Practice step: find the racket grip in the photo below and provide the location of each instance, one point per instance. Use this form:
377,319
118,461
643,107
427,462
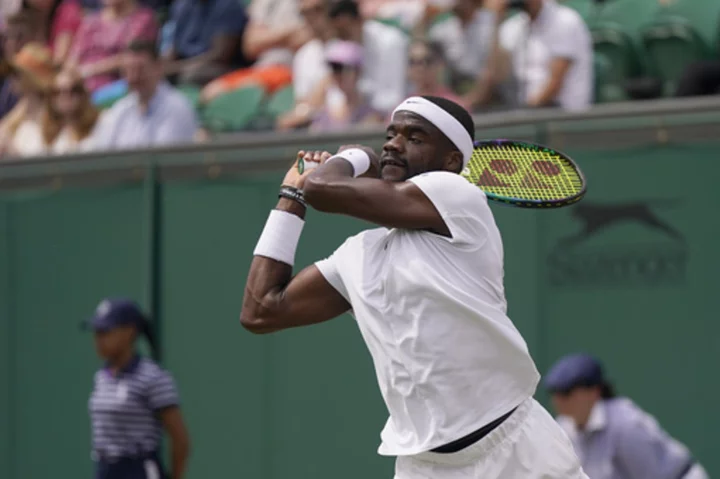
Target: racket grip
304,166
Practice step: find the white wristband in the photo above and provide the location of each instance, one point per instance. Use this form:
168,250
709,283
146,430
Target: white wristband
357,158
280,237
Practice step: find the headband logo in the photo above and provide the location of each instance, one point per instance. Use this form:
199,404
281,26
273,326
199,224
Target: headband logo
103,308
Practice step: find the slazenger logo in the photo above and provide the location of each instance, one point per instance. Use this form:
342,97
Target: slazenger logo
655,256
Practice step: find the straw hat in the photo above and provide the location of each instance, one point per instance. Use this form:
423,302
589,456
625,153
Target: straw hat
34,61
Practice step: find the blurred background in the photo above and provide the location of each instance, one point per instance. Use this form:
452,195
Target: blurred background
142,143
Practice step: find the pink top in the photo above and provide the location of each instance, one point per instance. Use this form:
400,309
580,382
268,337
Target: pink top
68,18
99,38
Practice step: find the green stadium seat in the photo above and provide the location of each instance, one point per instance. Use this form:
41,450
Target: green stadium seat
192,93
607,88
281,102
616,35
682,32
233,111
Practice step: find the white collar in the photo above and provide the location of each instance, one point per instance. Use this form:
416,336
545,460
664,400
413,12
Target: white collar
597,421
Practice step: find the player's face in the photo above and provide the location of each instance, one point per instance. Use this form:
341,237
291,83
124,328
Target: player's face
412,147
110,344
576,403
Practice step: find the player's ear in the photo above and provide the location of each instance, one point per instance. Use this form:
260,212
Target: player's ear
454,161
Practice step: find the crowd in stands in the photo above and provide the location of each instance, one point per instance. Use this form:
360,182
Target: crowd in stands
90,75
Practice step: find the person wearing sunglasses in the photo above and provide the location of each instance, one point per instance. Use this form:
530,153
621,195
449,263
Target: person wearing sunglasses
71,116
346,105
133,400
613,436
426,71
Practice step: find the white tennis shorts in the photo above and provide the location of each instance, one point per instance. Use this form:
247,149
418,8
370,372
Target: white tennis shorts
528,445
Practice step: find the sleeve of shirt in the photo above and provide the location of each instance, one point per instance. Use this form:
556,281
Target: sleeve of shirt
460,204
567,39
69,17
178,126
642,451
330,269
82,38
233,20
162,391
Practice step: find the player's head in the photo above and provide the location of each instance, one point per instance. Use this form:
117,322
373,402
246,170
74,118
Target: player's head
117,323
576,382
427,134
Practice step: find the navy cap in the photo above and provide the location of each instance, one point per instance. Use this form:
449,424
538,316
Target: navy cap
574,370
112,313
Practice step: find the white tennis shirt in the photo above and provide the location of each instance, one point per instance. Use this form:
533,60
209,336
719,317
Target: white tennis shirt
432,311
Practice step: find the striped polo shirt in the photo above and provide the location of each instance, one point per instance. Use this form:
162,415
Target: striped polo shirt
123,406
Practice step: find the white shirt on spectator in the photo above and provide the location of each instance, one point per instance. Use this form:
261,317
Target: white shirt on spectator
169,119
309,68
466,49
275,14
384,65
432,312
557,32
65,143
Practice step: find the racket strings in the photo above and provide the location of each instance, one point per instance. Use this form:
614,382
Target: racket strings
521,172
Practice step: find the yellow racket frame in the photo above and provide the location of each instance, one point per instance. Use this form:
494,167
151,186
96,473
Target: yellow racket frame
525,174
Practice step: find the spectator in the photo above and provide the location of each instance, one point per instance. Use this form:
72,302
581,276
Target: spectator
20,29
157,5
385,47
33,75
61,20
426,71
613,437
71,116
466,37
551,53
310,73
346,61
104,35
153,114
275,31
206,39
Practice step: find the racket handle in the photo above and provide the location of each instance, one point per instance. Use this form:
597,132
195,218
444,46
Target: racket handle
304,166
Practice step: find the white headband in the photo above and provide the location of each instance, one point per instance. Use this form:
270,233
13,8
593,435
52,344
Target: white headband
444,122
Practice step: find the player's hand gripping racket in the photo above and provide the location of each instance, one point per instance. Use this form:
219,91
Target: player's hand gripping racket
521,174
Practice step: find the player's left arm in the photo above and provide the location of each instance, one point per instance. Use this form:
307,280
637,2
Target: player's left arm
332,188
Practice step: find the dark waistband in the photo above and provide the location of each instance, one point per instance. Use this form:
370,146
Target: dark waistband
690,464
102,456
473,437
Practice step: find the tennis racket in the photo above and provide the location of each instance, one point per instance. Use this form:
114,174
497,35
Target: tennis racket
520,173
524,174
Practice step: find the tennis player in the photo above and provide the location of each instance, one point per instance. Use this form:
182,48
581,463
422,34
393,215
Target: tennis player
426,290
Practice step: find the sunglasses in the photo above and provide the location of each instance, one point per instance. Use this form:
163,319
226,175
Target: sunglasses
422,61
74,90
338,68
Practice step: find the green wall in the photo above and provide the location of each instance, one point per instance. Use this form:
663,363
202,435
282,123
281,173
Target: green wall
304,403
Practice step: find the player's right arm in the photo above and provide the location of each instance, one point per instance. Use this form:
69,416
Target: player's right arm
274,298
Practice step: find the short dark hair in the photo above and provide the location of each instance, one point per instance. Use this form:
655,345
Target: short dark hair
457,111
435,48
27,17
144,46
344,7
